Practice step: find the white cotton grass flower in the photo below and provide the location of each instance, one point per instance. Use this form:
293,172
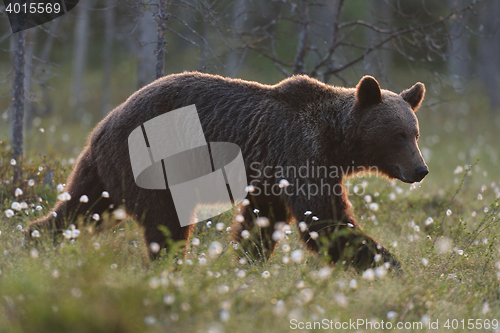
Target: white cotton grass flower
250,188
196,242
416,228
314,235
239,218
297,256
209,224
24,205
377,257
245,202
34,253
350,225
444,245
280,308
84,199
219,226
429,221
256,211
324,273
458,169
368,198
266,274
307,213
154,247
285,260
60,188
425,261
283,183
19,227
262,222
168,299
303,226
353,284
374,206
448,212
479,196
9,213
306,295
16,206
369,274
315,218
460,252
392,196
391,315
18,192
300,284
119,214
215,249
245,234
380,272
241,273
96,217
31,182
65,196
13,162
38,207
35,234
224,316
277,235
285,248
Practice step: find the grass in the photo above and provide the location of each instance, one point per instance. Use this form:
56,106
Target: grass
104,282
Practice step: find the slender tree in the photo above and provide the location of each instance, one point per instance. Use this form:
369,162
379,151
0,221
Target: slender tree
162,18
109,31
17,105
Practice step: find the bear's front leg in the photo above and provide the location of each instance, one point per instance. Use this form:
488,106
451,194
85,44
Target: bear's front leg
337,230
257,242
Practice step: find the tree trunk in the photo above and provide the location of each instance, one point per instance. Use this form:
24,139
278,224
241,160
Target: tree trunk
80,54
239,17
109,32
17,104
47,105
146,50
160,46
28,73
489,48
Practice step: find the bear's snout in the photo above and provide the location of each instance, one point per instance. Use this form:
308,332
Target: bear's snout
420,172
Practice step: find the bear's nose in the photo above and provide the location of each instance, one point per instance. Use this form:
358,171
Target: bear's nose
421,171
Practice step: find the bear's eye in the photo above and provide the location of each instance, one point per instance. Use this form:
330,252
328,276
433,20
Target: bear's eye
417,136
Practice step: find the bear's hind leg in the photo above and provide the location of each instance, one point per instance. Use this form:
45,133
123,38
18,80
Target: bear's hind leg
86,189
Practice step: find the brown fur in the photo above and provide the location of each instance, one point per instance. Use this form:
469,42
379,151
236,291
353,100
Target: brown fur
298,120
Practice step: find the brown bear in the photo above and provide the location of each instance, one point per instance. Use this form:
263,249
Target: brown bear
295,123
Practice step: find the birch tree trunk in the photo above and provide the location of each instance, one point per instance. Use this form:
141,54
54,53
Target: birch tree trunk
28,73
161,43
80,54
146,49
109,32
17,104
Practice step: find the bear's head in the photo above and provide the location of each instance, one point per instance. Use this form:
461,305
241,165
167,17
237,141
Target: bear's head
387,130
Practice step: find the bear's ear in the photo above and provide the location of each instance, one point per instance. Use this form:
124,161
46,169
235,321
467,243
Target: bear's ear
368,92
414,96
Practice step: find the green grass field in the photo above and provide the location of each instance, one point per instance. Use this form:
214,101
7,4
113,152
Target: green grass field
105,282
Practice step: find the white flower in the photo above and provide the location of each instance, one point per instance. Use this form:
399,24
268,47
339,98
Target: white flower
84,199
250,188
31,182
96,217
262,222
297,256
13,162
429,221
256,211
324,273
313,234
391,315
302,226
35,234
16,206
308,212
220,226
65,196
245,202
169,299
284,183
306,295
245,234
377,257
266,274
448,212
368,198
154,247
60,188
196,241
18,192
215,249
460,252
277,234
315,218
239,218
224,316
374,206
369,274
9,213
241,273
425,261
119,214
353,284
105,194
392,196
